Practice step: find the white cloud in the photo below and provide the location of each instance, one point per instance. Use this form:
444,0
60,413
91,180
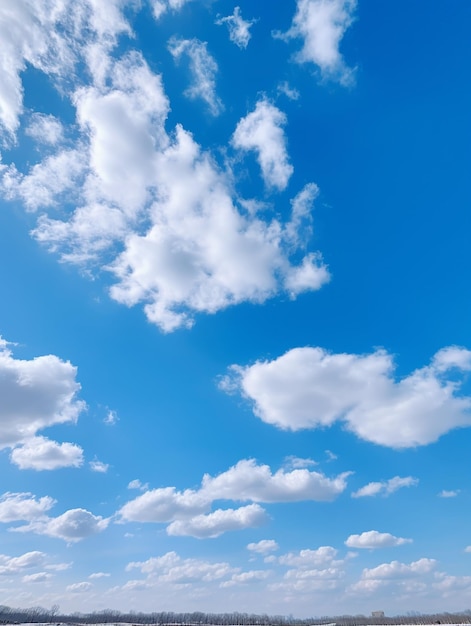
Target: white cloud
249,481
39,577
290,92
312,388
321,24
239,29
219,522
49,37
79,587
40,453
397,570
111,418
15,564
262,131
45,129
310,559
97,575
98,466
245,578
47,183
128,185
171,568
73,525
164,505
189,510
452,493
385,487
203,69
202,254
36,394
23,507
136,484
263,547
159,7
373,539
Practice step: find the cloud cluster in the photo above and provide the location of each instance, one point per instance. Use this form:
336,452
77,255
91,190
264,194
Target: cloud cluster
312,388
72,526
146,204
188,512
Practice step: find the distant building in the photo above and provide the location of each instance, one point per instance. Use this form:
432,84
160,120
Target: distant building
377,613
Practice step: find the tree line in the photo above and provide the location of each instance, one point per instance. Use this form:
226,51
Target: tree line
10,615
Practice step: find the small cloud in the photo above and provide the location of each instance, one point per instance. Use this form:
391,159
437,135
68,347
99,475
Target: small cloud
40,453
331,456
264,546
385,487
448,494
136,484
98,466
111,418
239,29
373,539
99,575
289,92
79,587
294,462
467,549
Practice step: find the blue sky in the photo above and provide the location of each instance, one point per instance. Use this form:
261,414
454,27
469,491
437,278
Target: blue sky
235,340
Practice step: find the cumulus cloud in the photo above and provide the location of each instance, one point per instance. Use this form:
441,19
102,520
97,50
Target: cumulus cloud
39,453
321,24
263,547
203,68
171,568
249,481
312,388
156,211
189,511
23,507
245,578
36,394
164,505
395,569
219,522
39,577
72,526
373,539
239,29
262,131
15,564
385,487
309,559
